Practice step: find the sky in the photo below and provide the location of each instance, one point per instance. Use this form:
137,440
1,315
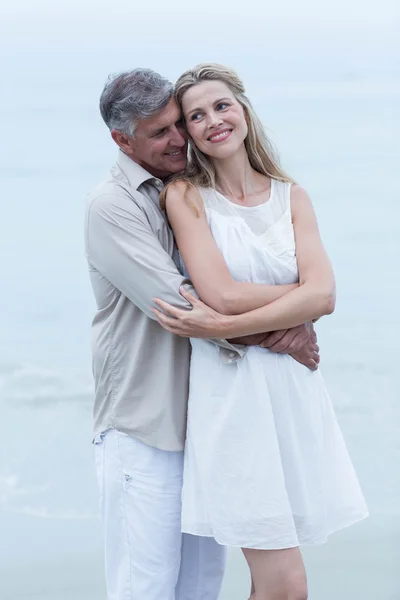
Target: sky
364,12
372,16
251,35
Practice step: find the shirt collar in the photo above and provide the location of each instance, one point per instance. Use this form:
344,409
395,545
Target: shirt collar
136,174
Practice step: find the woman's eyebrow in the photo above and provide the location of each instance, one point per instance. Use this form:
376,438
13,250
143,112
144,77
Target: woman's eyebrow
194,110
221,100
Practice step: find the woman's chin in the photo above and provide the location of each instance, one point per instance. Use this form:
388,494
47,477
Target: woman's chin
223,151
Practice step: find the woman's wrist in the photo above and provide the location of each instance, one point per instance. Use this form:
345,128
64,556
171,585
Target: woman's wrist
234,326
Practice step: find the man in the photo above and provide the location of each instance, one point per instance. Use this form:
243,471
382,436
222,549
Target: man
141,371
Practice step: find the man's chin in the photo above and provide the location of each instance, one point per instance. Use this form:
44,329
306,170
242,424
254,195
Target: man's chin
176,166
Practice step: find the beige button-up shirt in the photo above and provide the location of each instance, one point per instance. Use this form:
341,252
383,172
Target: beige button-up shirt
141,371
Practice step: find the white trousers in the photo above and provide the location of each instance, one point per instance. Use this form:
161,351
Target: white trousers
146,555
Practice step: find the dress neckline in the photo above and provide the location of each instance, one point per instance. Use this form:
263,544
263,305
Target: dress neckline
247,208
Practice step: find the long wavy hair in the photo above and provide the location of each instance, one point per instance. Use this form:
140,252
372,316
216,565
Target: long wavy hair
200,170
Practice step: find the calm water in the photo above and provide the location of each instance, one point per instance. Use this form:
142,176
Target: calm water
337,132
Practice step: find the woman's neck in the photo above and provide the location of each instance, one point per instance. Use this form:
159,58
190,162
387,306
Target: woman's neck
236,178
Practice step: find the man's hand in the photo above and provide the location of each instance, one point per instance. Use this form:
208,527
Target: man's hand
300,342
308,355
200,322
286,341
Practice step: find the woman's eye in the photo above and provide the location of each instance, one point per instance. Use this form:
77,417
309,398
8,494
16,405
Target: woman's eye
222,106
195,117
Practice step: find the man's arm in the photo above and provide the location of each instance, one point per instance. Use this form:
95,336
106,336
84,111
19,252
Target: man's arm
121,245
300,342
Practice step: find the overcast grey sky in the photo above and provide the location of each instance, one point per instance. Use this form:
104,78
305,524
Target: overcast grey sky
252,35
370,14
340,12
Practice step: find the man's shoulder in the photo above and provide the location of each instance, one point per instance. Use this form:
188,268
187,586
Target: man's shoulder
114,191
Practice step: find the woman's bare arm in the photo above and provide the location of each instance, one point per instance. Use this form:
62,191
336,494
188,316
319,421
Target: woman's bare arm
205,264
314,297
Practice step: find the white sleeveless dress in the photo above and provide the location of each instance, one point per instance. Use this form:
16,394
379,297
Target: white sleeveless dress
265,463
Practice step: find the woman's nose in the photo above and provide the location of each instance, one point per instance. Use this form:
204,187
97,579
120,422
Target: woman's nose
214,120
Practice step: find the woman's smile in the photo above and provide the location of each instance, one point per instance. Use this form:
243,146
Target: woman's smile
220,136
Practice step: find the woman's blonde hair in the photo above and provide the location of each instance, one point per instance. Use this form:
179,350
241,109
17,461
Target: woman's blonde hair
200,171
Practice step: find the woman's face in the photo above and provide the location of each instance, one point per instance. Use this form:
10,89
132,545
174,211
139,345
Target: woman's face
214,119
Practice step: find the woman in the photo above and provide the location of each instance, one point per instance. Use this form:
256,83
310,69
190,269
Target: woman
266,467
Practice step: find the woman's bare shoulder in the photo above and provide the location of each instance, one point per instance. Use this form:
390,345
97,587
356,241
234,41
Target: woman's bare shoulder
180,194
298,193
300,201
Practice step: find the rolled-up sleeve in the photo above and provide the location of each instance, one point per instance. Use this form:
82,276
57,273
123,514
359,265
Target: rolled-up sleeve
123,248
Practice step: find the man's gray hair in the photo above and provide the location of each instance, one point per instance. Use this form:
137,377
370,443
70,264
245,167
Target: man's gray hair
131,96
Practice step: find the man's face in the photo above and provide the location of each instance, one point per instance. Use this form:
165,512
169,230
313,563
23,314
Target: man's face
160,143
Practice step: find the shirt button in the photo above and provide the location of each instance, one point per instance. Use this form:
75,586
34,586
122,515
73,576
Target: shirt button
231,354
230,360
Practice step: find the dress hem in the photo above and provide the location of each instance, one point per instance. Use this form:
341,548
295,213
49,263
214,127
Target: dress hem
339,526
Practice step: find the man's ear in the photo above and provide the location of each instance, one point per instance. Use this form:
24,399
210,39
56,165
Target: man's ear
123,141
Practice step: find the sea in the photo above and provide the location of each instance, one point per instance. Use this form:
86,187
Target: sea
334,116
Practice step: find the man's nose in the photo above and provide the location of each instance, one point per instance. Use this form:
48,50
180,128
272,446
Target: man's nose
178,137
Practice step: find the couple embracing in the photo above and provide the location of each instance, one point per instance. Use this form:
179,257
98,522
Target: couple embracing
213,427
